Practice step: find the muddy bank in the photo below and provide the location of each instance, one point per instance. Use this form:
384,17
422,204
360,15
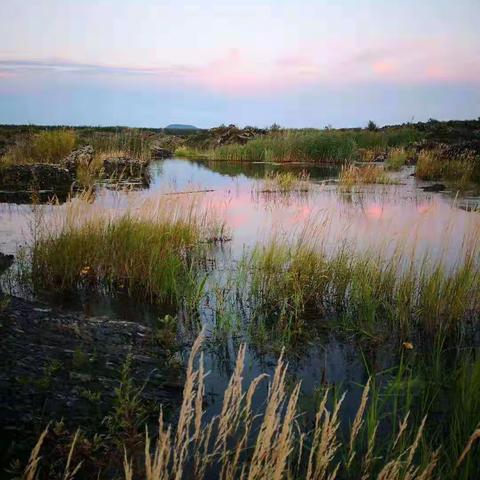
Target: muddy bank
58,365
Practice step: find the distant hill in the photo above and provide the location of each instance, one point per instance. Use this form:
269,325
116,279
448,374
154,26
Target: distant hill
180,126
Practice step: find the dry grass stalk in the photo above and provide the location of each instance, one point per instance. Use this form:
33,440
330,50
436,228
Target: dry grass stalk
221,444
357,423
473,438
30,471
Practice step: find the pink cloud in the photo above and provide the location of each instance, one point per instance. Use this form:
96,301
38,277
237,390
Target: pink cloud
384,68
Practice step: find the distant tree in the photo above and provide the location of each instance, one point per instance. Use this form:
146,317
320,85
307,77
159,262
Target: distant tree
275,127
372,126
328,127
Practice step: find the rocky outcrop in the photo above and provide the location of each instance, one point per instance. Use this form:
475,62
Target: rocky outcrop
82,156
159,152
233,134
37,176
467,149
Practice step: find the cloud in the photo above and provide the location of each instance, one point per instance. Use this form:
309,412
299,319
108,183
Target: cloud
243,73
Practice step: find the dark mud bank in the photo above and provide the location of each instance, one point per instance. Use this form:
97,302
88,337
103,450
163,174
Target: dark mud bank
61,365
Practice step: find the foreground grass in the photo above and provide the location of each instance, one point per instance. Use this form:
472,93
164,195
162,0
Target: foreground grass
149,250
276,442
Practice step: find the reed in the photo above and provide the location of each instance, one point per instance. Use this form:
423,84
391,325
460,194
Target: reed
320,146
130,142
397,158
284,182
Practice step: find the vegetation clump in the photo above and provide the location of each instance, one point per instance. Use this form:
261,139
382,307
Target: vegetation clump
278,442
148,251
291,281
461,171
43,147
284,182
352,175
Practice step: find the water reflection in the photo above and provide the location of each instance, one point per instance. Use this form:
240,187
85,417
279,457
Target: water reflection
368,217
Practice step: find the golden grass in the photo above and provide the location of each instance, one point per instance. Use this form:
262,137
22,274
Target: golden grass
284,182
239,443
397,158
44,147
432,166
352,175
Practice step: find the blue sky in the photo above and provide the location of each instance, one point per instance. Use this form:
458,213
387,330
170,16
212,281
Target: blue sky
294,62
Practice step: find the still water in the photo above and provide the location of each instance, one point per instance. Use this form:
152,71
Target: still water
373,216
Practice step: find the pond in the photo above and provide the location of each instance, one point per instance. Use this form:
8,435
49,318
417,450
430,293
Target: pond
368,216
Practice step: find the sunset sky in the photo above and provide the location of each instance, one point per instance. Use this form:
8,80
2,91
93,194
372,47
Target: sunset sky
295,62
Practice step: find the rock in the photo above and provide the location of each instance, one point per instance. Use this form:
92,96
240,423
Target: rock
159,152
51,360
37,176
130,172
465,149
124,166
233,134
380,157
82,156
436,187
5,262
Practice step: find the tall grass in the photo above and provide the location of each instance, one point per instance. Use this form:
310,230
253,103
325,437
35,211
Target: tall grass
149,250
247,442
461,171
291,281
326,146
130,142
50,146
397,158
352,175
284,182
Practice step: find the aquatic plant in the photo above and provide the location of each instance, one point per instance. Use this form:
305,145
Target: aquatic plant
190,152
352,175
150,250
130,142
291,281
327,146
396,159
284,182
243,441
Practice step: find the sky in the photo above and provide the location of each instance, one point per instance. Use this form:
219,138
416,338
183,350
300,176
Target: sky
299,63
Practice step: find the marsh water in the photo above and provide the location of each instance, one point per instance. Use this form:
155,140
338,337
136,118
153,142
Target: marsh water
372,216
